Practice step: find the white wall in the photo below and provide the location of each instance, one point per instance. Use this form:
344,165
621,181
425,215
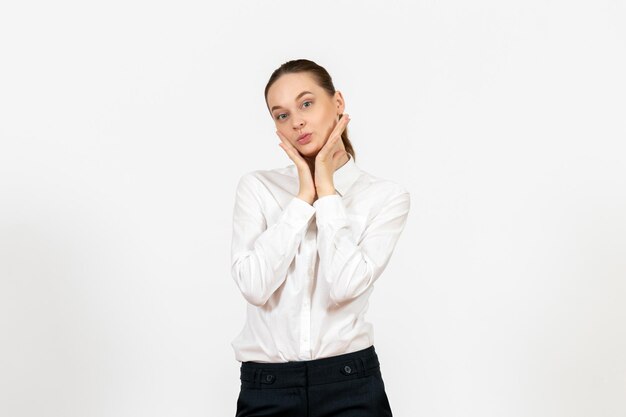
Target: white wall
125,125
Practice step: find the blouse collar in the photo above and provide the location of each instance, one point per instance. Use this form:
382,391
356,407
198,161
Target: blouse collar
345,176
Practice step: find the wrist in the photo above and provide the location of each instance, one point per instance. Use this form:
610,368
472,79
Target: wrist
321,192
305,198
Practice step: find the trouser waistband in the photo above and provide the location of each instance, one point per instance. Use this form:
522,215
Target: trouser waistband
311,372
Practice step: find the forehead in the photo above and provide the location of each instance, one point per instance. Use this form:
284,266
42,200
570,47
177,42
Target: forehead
285,90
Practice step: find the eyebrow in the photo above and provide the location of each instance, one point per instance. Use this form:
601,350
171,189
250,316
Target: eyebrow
297,97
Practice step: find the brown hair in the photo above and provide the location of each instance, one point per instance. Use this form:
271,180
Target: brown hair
323,79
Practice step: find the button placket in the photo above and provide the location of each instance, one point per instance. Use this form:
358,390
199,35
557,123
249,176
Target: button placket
305,313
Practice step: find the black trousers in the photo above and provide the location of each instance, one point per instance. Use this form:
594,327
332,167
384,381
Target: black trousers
348,385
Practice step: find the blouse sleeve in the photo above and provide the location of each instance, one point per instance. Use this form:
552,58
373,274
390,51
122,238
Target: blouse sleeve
261,254
352,267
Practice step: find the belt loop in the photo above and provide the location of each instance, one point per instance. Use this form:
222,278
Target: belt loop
256,377
362,364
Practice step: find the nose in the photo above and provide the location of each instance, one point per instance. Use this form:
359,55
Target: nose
298,124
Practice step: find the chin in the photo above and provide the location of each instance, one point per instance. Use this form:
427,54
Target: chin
310,152
308,149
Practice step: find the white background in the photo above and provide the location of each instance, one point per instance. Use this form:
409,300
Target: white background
125,126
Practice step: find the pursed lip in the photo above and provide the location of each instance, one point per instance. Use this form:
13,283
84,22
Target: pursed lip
303,135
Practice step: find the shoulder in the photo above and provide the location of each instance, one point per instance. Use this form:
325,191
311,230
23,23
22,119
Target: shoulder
259,177
384,188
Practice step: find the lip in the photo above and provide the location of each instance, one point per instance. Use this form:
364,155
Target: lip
304,138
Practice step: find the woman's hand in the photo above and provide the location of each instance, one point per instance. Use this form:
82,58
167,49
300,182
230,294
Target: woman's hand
329,158
307,191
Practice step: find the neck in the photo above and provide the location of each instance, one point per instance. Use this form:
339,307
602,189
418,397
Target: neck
311,162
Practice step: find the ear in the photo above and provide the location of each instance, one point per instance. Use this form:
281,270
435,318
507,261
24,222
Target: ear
339,102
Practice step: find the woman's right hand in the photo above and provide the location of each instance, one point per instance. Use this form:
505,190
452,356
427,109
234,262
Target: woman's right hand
307,191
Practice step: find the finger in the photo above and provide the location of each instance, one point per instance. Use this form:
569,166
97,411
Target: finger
285,146
282,137
331,146
338,130
287,151
339,154
292,152
340,126
285,141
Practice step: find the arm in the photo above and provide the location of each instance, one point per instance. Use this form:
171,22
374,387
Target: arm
261,255
352,267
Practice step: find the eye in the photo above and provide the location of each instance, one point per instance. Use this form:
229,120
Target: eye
303,105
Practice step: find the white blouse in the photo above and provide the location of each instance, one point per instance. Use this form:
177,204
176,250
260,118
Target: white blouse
307,271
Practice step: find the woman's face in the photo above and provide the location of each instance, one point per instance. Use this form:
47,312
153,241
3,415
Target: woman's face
298,105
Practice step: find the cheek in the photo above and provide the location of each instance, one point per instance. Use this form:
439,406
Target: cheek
288,134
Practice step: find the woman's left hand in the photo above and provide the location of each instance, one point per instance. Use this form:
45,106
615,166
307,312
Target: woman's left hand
329,158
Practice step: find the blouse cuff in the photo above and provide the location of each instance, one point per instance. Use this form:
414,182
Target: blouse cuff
297,213
329,208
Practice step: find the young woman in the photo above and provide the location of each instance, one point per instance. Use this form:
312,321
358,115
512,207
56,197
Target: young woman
309,241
